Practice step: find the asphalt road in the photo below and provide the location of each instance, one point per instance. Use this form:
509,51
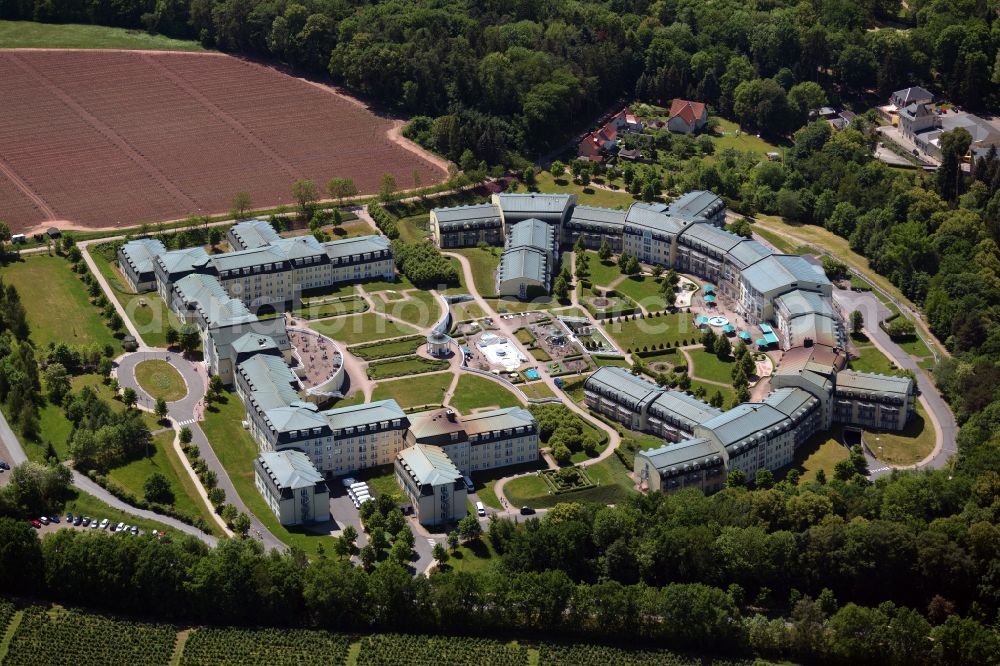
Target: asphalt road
874,312
186,412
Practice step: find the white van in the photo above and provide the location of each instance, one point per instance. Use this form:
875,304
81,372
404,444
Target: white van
480,509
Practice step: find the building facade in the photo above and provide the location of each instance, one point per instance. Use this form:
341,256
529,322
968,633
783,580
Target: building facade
294,491
432,483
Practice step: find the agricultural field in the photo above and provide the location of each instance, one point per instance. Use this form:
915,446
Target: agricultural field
275,647
160,380
367,327
49,637
56,301
391,649
184,129
414,391
474,392
575,654
29,35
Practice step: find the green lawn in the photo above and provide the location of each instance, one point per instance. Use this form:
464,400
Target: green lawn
574,388
870,359
484,265
745,142
160,380
506,305
728,394
909,446
28,34
822,451
330,292
644,290
915,347
485,481
668,329
414,391
165,460
602,274
710,367
366,327
319,309
56,303
612,361
613,486
537,390
413,228
404,365
473,556
147,311
466,311
420,308
474,392
402,347
588,196
237,450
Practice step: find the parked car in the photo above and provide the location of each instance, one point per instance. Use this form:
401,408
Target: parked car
135,530
527,511
78,521
86,521
54,519
120,527
36,524
69,519
44,520
104,524
4,465
94,524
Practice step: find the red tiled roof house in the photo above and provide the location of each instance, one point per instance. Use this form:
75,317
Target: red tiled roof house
687,117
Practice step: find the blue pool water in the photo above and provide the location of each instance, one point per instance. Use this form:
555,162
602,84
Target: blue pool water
531,374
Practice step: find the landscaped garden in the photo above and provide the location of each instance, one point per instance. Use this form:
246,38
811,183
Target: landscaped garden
710,367
611,486
331,307
420,390
475,392
420,308
404,365
379,350
638,334
160,380
367,327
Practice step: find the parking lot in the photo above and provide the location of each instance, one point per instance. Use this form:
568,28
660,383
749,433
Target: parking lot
103,525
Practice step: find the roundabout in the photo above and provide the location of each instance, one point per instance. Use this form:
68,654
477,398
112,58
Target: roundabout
160,379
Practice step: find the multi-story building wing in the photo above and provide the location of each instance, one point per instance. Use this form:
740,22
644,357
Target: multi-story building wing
365,435
466,226
702,249
174,265
806,318
480,441
137,260
621,396
873,401
699,204
432,483
650,234
673,415
595,226
693,463
550,208
292,488
778,274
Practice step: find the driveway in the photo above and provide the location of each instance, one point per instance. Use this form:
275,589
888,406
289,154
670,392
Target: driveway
186,412
940,413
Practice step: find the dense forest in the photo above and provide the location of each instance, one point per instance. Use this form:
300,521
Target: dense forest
500,77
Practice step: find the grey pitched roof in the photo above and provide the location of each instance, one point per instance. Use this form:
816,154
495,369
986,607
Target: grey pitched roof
301,417
682,457
180,261
654,217
798,303
697,204
215,305
357,245
271,382
284,249
458,216
743,421
782,271
290,469
709,237
253,343
790,401
254,233
428,465
916,111
979,129
224,335
611,218
365,414
523,263
623,387
543,204
908,95
872,383
747,253
531,233
821,329
683,407
141,253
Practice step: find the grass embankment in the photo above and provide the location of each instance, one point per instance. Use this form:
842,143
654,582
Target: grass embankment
474,392
822,451
590,195
160,380
28,34
911,445
237,450
484,265
165,460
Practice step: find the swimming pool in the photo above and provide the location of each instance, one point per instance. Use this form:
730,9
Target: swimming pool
531,374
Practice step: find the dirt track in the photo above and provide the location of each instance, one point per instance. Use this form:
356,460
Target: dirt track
110,139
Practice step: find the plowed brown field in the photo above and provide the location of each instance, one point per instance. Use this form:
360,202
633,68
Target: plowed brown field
104,139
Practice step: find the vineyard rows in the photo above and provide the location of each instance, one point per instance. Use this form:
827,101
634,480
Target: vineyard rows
6,613
550,654
68,637
264,647
397,649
